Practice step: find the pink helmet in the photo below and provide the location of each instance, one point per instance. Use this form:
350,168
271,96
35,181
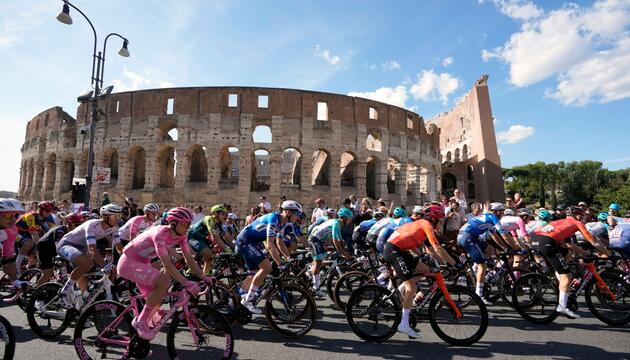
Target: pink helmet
434,212
74,219
45,206
179,215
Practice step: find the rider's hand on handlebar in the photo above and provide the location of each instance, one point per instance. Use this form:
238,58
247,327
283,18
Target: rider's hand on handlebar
210,280
193,288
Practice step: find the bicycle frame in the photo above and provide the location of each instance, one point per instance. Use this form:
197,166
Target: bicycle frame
592,273
440,284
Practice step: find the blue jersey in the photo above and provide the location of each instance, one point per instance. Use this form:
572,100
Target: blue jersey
482,224
619,237
259,230
365,225
388,230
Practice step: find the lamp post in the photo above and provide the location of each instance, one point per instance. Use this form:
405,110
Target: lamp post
98,70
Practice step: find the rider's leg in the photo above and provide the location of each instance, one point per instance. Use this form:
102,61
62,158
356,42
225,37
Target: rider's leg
316,268
264,269
26,247
154,297
208,259
83,263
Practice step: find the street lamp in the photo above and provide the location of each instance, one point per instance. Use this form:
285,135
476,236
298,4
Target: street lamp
98,71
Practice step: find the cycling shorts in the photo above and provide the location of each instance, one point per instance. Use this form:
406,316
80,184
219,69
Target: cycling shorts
46,253
70,252
198,246
403,262
317,248
474,246
548,247
253,254
141,272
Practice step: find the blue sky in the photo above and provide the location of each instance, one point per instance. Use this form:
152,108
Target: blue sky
559,72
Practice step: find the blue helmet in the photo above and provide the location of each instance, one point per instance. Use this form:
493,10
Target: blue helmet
544,215
615,207
344,212
602,216
399,212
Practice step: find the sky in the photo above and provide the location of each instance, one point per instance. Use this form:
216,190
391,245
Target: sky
559,71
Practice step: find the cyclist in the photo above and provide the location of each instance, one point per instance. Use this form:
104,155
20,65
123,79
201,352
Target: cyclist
208,236
544,216
619,238
599,230
249,245
329,229
31,226
10,211
135,265
47,245
360,231
326,215
551,241
78,247
478,249
231,225
137,224
409,238
292,234
613,215
400,218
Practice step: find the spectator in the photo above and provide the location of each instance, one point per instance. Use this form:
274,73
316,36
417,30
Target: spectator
364,213
265,205
319,211
197,214
282,199
444,202
519,202
461,200
33,207
475,210
252,215
355,205
106,200
583,205
65,206
347,203
454,221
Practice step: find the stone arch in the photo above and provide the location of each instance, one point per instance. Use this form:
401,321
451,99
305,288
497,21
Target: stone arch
39,174
51,172
470,173
167,129
465,152
321,168
448,156
291,167
229,165
449,184
393,173
110,160
373,142
197,164
30,173
411,182
261,170
349,169
371,177
456,155
138,164
67,172
262,134
166,167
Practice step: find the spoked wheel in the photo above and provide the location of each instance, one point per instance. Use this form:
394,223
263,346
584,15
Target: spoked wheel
346,284
601,303
212,339
221,298
332,278
7,290
290,310
505,284
98,335
465,330
32,276
7,337
45,312
535,297
373,313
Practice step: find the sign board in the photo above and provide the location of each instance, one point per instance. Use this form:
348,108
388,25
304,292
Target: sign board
102,174
76,207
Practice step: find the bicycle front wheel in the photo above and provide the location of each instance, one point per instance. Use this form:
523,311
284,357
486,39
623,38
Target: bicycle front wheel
8,338
346,284
612,312
535,297
45,312
101,334
212,337
290,310
373,313
466,330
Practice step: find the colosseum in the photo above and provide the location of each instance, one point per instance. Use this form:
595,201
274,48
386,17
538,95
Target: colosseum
205,145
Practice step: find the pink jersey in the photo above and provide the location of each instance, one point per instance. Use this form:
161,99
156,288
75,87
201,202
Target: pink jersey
511,224
134,226
154,242
7,238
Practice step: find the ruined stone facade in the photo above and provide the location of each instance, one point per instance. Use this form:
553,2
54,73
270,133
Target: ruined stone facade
195,146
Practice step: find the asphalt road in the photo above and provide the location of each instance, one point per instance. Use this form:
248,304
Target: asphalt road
508,337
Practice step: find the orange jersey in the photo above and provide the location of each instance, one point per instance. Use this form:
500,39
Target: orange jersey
412,235
560,230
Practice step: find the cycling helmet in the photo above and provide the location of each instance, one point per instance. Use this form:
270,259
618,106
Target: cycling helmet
232,216
602,216
615,207
111,209
417,210
74,219
291,205
11,205
561,207
179,215
399,212
151,207
497,206
330,212
544,215
508,212
434,212
45,206
575,210
378,214
524,211
344,212
218,208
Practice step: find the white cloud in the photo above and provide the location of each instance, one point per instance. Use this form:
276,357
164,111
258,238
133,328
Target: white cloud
138,81
447,61
391,65
395,96
586,48
518,9
434,87
515,134
327,55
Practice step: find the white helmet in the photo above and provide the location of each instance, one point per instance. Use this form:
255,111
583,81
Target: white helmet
417,210
111,209
497,206
11,205
509,212
151,207
232,216
291,205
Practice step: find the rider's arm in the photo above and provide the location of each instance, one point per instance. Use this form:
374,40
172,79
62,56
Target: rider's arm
587,235
435,245
190,261
171,270
272,234
338,241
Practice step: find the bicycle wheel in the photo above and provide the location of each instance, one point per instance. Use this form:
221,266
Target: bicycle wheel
332,278
32,276
535,297
373,313
290,310
466,330
7,290
602,305
7,336
346,284
505,284
45,312
221,298
100,334
213,333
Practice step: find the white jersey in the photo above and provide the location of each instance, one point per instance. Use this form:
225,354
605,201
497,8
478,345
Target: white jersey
598,229
514,225
88,233
134,226
533,225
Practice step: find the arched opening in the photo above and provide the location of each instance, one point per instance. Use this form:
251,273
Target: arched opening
470,174
166,166
373,142
449,184
229,164
51,172
198,165
321,168
138,163
262,134
465,152
393,172
39,176
348,170
67,172
111,161
261,170
457,153
471,190
370,177
448,156
411,183
291,167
